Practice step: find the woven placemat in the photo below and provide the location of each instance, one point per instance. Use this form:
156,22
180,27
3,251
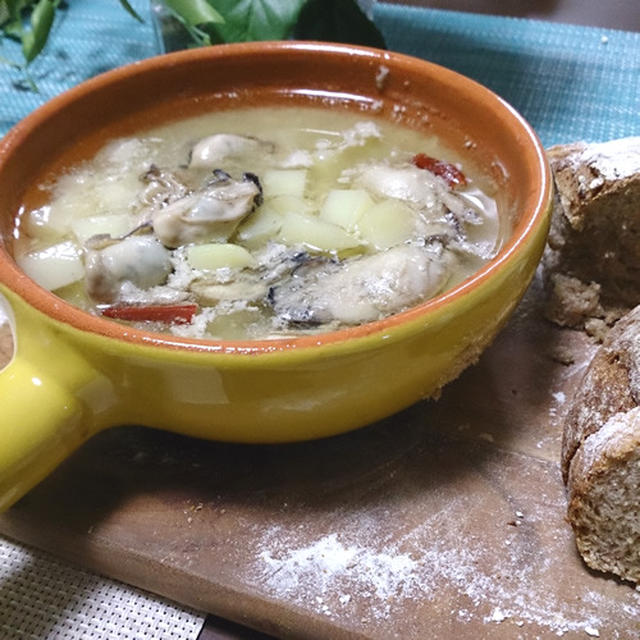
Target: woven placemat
87,38
44,599
570,82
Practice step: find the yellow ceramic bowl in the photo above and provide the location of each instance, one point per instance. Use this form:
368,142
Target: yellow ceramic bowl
74,374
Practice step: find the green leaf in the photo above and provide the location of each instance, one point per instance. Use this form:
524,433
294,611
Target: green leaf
194,12
5,13
126,5
246,20
34,40
11,16
337,21
13,29
10,9
198,18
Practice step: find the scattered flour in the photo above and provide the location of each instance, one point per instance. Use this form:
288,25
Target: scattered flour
497,615
559,397
328,561
355,568
612,160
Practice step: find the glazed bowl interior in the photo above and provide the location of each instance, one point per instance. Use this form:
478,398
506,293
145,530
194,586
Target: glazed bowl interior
465,116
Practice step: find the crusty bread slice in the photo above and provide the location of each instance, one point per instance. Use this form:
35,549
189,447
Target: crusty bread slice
601,454
592,269
611,385
594,240
604,496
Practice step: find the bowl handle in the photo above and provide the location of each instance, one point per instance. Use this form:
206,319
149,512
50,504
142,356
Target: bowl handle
48,394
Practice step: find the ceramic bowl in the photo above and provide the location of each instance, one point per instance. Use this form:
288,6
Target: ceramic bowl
74,374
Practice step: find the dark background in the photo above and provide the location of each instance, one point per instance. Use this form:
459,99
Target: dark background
614,14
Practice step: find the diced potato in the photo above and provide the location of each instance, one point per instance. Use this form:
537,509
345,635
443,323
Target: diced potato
115,226
55,267
128,155
116,193
316,233
259,227
387,224
35,224
345,206
287,204
234,326
210,257
81,195
76,203
284,182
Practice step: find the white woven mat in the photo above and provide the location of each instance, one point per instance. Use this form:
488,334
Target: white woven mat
44,599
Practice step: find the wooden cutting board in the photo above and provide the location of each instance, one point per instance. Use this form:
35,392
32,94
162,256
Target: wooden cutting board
444,521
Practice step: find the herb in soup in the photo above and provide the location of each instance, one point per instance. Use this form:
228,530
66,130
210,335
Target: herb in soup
261,223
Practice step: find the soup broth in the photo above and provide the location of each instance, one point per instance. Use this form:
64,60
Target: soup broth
261,223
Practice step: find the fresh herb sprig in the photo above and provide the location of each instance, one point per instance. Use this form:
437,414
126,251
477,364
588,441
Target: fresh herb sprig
30,22
33,37
209,21
219,21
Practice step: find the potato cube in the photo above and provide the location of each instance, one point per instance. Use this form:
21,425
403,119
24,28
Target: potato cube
35,224
77,202
316,233
284,182
259,227
210,257
83,195
387,224
115,226
345,206
116,193
235,325
289,204
54,267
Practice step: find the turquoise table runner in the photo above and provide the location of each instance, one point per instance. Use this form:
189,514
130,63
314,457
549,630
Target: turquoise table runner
569,82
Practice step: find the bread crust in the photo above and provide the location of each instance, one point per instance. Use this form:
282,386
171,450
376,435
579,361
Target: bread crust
603,484
601,454
592,269
595,228
611,384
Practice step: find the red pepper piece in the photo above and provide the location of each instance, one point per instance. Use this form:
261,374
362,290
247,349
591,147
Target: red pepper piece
447,171
178,313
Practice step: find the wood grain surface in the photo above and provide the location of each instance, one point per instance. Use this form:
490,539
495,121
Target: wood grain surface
446,520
